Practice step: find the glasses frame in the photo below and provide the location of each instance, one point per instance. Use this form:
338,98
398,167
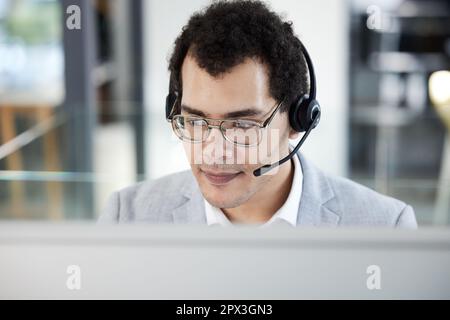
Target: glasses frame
261,124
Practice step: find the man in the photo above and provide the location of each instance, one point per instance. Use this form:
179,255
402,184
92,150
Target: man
237,68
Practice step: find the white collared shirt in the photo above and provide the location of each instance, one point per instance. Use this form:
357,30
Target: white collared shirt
286,214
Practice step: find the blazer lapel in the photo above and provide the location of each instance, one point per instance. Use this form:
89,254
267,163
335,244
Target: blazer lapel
318,205
192,209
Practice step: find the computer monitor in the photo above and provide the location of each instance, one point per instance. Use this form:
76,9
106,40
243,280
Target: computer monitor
77,261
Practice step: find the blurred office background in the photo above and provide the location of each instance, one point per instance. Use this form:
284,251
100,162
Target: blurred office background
82,110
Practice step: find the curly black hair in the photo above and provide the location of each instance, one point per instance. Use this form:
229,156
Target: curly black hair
225,33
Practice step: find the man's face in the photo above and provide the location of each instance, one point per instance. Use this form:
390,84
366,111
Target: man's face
224,171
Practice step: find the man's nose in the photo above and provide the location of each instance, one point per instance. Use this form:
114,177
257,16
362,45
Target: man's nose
216,149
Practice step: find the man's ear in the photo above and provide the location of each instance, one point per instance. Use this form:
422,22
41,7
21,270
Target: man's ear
293,134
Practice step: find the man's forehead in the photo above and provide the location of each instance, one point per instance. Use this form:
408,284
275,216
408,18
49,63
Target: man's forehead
242,91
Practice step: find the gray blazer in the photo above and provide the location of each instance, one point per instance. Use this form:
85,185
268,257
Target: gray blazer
326,201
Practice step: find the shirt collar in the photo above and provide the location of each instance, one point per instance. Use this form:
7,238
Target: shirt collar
287,213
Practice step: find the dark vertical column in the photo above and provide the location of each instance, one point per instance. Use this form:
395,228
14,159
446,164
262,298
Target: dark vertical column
136,88
80,55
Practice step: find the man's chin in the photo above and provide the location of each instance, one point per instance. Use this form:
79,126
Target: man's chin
228,197
223,194
222,203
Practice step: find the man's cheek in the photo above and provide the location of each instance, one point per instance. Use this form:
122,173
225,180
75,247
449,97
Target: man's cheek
269,148
240,156
193,152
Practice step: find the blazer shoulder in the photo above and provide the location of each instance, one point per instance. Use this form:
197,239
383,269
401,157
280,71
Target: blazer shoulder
166,186
364,206
148,200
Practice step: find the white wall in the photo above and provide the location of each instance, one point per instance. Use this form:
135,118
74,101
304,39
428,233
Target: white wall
322,25
163,22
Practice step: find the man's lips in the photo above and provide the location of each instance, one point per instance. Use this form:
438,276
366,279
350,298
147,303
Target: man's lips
220,178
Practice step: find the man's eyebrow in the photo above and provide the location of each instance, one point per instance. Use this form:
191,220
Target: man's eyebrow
230,115
249,112
193,111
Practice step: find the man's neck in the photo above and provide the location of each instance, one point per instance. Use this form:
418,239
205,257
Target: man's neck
263,205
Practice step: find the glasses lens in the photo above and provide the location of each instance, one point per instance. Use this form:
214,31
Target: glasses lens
242,132
190,128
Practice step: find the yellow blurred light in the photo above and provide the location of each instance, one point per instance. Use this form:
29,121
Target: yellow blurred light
439,88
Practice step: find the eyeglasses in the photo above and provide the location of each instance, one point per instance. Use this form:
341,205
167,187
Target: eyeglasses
241,132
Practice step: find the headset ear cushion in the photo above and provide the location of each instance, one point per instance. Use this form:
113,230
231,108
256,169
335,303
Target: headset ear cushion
312,113
295,114
303,112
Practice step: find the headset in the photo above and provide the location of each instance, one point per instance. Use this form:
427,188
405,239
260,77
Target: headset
304,113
